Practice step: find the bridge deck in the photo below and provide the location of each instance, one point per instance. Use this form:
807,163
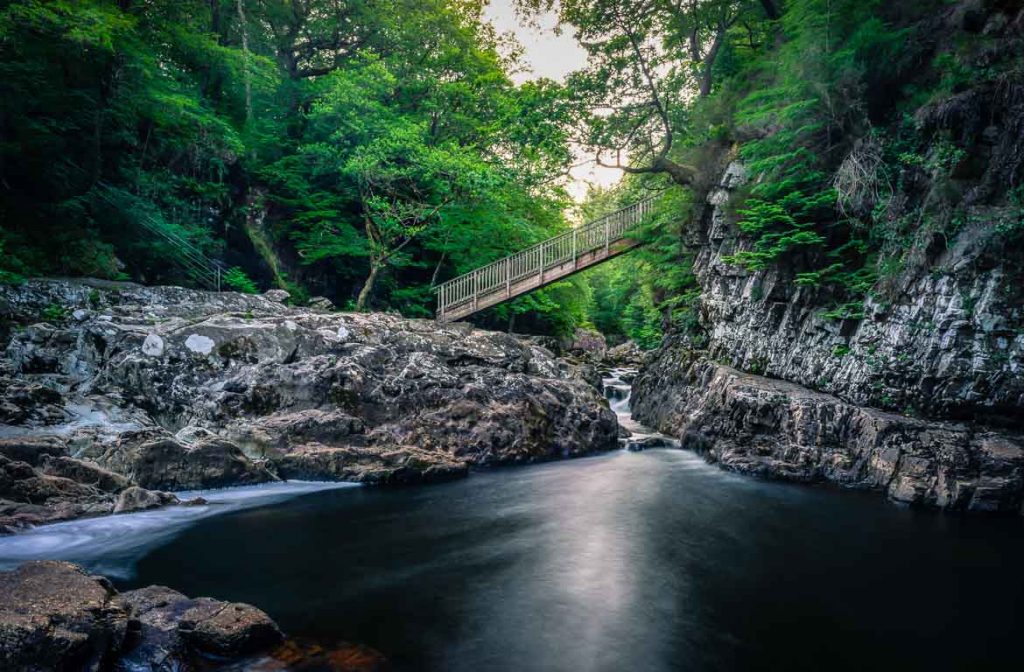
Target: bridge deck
540,265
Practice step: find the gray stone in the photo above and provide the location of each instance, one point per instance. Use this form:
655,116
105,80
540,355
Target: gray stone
276,295
54,616
135,498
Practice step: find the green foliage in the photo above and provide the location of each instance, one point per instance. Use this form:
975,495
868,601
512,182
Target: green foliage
257,133
236,279
809,95
54,313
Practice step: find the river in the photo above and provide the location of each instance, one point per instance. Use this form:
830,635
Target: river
642,561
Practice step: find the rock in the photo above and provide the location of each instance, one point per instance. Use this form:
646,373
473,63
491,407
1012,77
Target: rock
777,429
157,645
321,303
280,431
32,449
228,630
200,344
30,497
588,341
243,383
376,464
276,295
84,472
140,499
946,339
165,464
172,625
53,616
153,346
193,434
627,354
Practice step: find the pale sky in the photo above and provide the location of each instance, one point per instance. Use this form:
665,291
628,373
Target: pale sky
554,56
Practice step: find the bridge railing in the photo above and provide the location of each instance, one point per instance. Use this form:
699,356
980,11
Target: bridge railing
501,275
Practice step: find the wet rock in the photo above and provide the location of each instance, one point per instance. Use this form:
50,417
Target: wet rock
172,627
30,497
165,464
777,429
155,642
227,629
53,616
140,499
388,465
87,473
180,389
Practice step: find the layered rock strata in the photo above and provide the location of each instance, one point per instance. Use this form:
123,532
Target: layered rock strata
173,389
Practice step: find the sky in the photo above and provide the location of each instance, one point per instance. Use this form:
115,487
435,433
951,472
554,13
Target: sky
552,55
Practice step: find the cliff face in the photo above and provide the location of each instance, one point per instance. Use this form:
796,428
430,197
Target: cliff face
937,348
949,343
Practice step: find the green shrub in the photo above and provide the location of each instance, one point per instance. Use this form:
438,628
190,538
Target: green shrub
236,279
54,313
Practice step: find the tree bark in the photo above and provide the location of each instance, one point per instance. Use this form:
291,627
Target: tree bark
367,290
771,9
707,76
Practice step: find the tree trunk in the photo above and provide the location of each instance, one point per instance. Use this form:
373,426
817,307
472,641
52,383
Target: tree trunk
706,79
771,9
367,290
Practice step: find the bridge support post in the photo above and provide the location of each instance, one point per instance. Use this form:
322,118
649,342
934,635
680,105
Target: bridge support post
574,265
476,289
508,278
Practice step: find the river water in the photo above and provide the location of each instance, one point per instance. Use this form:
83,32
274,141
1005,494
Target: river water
641,561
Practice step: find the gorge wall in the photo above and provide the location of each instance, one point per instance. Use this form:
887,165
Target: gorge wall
920,391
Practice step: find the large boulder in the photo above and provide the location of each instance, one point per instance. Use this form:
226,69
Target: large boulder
30,497
54,616
227,630
84,472
140,499
172,627
776,429
369,464
166,464
32,449
272,378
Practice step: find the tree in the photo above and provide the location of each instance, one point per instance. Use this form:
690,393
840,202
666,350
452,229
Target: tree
648,59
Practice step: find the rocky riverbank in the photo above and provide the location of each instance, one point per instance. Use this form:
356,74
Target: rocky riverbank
112,393
55,616
777,429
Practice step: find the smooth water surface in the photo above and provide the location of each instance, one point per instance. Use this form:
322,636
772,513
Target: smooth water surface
629,561
638,561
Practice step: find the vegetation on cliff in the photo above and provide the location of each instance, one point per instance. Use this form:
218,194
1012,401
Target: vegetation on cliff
368,150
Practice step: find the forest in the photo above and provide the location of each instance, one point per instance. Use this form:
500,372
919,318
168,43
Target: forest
366,150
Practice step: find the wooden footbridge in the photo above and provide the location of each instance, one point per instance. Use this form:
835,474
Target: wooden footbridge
540,265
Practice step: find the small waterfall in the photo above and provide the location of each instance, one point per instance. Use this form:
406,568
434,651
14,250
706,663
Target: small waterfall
618,389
